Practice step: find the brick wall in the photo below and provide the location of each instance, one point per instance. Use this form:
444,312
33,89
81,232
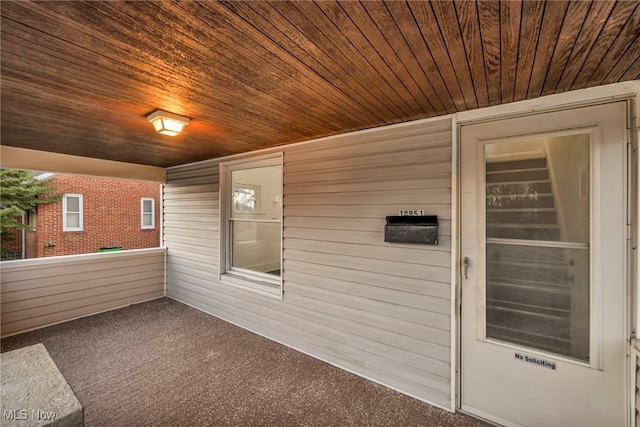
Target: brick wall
31,244
111,209
14,245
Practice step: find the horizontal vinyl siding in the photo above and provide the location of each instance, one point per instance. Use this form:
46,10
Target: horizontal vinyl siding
380,310
45,291
191,228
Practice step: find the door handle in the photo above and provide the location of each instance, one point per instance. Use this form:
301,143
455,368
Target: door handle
466,262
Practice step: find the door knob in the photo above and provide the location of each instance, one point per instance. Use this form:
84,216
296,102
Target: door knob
466,262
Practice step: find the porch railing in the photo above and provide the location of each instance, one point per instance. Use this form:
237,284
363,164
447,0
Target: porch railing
44,291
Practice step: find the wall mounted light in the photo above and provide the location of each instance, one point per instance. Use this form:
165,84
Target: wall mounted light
167,123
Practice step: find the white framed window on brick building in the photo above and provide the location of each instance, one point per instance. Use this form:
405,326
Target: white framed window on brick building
251,223
32,219
147,213
72,215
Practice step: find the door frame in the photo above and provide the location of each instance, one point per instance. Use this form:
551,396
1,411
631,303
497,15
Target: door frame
629,92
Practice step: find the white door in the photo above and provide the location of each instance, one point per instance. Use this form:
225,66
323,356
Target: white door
544,256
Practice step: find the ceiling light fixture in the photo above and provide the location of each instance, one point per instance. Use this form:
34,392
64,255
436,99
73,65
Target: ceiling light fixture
167,123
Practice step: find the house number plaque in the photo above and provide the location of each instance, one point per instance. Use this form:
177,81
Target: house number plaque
411,212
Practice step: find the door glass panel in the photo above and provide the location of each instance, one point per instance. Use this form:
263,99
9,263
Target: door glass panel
537,237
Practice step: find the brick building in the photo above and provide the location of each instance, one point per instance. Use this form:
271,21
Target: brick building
12,249
94,213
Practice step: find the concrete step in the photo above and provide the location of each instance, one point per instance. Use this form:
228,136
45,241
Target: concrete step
522,175
557,325
504,271
553,344
529,254
519,188
521,216
549,232
540,162
539,298
537,201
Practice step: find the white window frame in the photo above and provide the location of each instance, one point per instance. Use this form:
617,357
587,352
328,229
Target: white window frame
143,213
65,211
262,283
32,219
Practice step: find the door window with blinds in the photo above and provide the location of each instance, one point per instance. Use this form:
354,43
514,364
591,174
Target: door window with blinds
538,287
251,194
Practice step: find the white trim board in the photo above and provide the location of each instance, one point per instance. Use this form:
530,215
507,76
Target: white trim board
93,256
565,100
455,266
22,158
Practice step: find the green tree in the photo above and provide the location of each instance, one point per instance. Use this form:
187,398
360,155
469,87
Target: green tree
20,192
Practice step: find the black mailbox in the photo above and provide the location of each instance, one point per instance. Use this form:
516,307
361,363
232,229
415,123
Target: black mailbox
412,229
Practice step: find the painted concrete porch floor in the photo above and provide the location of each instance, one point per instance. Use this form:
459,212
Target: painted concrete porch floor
162,363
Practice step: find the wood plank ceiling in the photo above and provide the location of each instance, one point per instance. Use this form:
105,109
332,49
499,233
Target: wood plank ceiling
80,77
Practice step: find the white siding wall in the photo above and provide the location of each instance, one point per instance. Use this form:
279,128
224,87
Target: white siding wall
378,309
43,291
